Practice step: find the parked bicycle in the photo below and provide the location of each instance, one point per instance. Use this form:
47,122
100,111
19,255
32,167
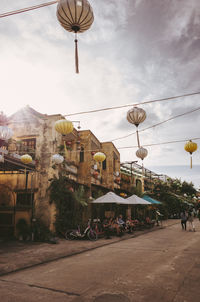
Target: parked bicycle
88,233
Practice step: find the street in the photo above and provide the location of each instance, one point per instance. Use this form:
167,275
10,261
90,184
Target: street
157,266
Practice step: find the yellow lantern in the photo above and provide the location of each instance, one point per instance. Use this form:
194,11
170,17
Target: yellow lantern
75,16
190,147
64,126
99,157
26,159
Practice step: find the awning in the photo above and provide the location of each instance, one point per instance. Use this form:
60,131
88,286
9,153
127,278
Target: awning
110,197
134,199
151,200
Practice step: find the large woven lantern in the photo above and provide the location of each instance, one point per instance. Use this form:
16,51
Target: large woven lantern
75,16
141,153
190,147
64,126
136,116
57,159
26,159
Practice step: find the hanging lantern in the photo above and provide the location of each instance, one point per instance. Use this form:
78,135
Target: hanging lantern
99,157
75,16
5,134
64,126
136,116
1,159
141,153
57,159
26,159
190,147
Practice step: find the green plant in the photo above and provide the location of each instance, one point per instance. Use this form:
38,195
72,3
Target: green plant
69,208
41,231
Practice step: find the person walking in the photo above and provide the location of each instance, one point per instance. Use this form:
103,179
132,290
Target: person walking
191,221
184,220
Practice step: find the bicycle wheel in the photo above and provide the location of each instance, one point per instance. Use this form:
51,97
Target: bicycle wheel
69,235
92,235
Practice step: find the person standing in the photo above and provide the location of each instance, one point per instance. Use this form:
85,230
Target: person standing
184,220
191,221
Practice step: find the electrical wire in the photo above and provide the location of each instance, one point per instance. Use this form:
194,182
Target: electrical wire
118,148
26,9
164,143
135,104
158,124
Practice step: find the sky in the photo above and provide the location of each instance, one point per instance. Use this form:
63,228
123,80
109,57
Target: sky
136,50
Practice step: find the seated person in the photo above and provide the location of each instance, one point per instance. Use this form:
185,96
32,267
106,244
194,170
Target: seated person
148,220
121,224
129,224
107,227
115,226
120,220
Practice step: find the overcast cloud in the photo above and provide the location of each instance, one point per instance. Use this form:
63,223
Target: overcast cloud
136,50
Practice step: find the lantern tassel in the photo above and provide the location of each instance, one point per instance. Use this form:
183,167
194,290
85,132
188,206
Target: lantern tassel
76,54
138,141
191,161
65,148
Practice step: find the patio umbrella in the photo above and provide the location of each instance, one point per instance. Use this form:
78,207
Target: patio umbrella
110,197
151,200
134,199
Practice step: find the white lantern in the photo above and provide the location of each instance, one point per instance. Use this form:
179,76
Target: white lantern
136,116
75,16
57,159
1,159
141,153
5,133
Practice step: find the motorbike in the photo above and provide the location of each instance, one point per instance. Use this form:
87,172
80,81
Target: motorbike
88,233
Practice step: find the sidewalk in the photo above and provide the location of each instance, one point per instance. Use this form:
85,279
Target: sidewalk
16,255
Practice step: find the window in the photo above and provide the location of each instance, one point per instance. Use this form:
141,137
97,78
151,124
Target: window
25,199
104,165
82,155
29,145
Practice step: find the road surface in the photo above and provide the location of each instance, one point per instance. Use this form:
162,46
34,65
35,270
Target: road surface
161,266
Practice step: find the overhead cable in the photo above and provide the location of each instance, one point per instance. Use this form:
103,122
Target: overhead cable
136,104
158,124
26,9
164,143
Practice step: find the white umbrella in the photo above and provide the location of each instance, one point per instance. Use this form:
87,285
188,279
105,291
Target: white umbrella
134,199
110,197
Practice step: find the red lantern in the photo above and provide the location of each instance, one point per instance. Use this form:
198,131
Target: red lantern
95,174
118,179
69,143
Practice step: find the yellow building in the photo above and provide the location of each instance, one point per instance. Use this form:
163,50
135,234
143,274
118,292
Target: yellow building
27,193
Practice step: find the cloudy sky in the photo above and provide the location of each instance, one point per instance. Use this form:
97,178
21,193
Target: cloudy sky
136,50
